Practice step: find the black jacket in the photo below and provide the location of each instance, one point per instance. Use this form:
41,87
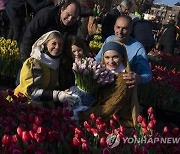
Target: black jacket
45,20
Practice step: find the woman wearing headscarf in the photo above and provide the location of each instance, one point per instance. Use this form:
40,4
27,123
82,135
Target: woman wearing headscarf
116,98
39,73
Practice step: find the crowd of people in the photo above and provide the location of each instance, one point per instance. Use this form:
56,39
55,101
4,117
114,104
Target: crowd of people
57,36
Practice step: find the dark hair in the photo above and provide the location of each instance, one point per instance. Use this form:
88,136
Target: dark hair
73,40
66,3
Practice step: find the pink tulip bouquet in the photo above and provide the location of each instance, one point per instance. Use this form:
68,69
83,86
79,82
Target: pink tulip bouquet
90,76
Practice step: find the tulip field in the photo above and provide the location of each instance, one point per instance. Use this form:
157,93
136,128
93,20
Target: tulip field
29,129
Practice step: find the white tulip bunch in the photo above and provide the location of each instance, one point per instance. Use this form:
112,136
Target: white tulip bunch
90,76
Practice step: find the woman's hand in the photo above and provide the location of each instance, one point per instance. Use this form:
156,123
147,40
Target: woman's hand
132,79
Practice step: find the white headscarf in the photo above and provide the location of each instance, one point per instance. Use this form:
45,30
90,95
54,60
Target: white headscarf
37,49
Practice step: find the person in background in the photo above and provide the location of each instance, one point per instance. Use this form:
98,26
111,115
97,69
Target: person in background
62,18
4,21
18,11
140,70
116,98
39,73
74,49
142,32
110,19
167,40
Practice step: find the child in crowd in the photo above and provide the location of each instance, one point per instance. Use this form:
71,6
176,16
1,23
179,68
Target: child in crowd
39,73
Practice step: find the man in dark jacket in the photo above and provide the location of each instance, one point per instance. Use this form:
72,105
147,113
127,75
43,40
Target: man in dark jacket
168,38
62,18
18,10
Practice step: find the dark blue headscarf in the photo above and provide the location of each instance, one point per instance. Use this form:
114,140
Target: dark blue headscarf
114,46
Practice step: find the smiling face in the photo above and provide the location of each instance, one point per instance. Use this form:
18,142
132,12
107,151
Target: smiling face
112,59
55,46
69,14
77,52
122,29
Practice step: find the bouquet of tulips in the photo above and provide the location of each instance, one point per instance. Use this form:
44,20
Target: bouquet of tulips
90,76
9,57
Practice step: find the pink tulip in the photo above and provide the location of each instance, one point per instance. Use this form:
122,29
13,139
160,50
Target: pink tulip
175,131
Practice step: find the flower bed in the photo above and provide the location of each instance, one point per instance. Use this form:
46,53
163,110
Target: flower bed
9,58
25,128
164,89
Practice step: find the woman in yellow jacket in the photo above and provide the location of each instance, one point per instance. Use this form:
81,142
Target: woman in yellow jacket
39,73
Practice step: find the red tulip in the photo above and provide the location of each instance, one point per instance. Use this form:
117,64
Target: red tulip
38,120
94,131
6,139
106,151
151,125
139,119
15,138
15,149
84,140
41,130
92,116
100,127
144,125
85,147
31,117
9,92
150,110
99,121
86,124
115,117
112,123
76,142
102,142
78,131
165,130
145,131
20,129
31,133
63,128
152,117
175,131
122,129
26,136
135,149
30,148
35,127
143,150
